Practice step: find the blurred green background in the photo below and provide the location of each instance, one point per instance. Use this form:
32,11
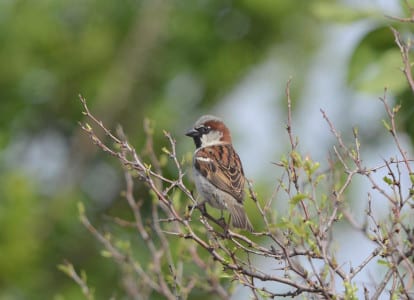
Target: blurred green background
169,61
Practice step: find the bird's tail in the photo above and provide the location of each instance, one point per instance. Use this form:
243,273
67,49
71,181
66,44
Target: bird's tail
239,217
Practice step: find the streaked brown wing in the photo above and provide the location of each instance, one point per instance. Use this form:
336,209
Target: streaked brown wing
221,165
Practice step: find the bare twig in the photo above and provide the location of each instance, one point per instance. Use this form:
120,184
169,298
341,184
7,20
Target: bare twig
405,50
80,280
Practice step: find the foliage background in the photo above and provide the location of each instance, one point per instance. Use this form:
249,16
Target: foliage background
169,61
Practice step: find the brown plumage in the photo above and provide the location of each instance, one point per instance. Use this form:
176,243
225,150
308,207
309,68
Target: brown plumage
218,172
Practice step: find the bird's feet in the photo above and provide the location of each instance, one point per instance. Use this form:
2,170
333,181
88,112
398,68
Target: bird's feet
200,206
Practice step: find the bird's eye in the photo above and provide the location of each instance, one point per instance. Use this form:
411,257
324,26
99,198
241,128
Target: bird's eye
204,129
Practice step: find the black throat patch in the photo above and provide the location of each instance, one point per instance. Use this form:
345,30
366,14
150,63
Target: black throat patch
197,141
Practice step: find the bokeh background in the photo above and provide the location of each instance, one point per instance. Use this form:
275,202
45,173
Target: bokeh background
169,62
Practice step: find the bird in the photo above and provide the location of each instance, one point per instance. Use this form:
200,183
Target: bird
217,169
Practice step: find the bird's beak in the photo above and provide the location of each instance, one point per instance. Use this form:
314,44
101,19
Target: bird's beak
192,133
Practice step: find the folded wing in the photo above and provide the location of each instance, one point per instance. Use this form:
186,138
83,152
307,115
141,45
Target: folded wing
221,165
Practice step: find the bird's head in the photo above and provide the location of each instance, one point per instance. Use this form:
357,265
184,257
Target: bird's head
209,130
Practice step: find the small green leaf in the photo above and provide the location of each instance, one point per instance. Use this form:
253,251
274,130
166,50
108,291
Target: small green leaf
297,198
65,268
387,180
166,151
224,275
263,294
396,108
355,130
88,127
147,169
106,253
123,244
310,166
296,159
412,178
320,178
284,161
350,291
386,125
315,166
354,154
396,295
382,262
81,208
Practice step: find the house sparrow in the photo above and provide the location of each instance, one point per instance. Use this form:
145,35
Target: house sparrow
218,172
